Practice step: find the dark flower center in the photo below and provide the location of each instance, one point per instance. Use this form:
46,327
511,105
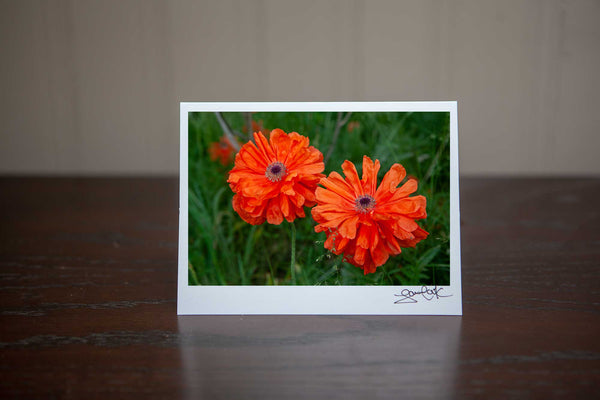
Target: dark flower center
364,203
275,171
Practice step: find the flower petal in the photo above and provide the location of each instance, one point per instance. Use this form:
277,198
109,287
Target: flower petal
336,184
274,215
391,180
348,227
352,178
369,175
264,148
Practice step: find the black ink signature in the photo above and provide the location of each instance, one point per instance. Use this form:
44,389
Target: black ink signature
407,295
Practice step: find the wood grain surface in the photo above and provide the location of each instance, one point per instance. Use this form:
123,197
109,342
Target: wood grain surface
88,305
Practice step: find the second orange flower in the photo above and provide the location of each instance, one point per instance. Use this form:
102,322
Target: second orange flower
274,179
365,222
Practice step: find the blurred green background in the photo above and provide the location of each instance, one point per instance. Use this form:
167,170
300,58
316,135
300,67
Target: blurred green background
225,250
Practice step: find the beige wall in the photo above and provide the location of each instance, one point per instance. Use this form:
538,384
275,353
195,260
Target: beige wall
92,87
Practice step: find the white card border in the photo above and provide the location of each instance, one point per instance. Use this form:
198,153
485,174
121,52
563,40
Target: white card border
324,300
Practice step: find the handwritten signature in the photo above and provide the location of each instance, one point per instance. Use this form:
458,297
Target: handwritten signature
408,296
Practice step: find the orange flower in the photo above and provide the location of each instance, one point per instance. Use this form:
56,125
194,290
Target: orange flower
257,127
365,222
222,150
352,125
275,179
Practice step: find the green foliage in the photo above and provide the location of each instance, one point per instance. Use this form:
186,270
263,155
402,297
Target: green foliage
225,250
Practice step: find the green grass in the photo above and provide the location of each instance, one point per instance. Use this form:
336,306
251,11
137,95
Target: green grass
225,250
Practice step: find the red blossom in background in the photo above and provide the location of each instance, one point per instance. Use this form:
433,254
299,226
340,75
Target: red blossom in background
352,125
257,126
222,151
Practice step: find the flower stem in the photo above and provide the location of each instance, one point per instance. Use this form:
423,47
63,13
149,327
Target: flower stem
248,117
341,121
293,255
227,131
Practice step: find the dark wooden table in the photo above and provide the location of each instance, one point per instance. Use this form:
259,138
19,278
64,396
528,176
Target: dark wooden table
88,287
